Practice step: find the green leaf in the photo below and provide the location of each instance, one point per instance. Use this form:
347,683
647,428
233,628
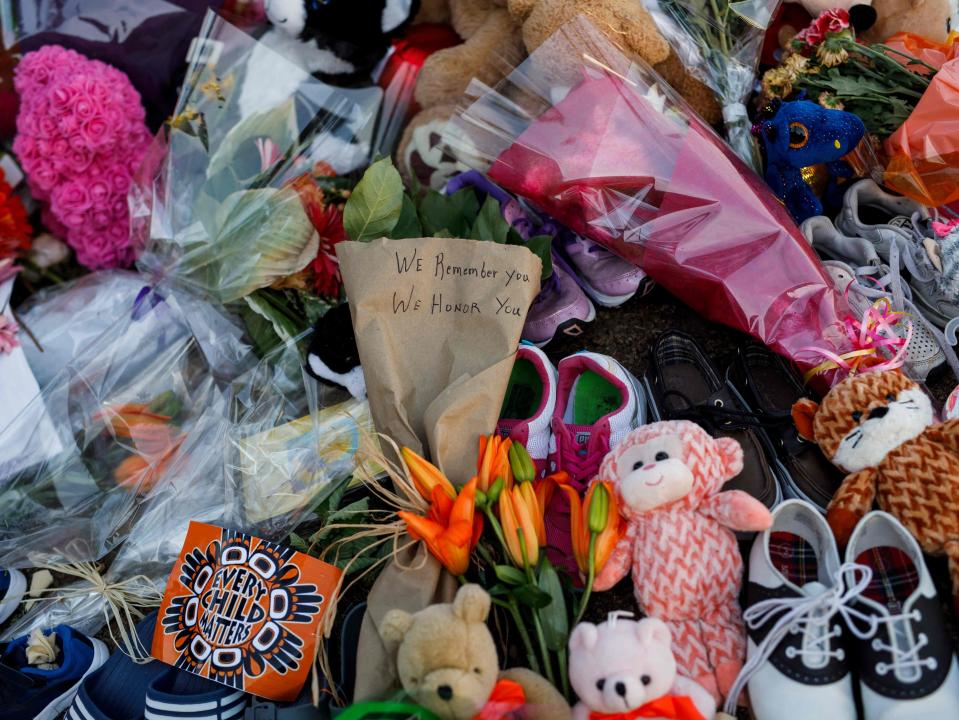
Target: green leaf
540,246
408,225
531,596
283,326
298,543
498,590
490,224
553,617
448,212
238,146
509,575
375,206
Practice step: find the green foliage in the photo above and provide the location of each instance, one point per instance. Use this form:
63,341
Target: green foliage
376,203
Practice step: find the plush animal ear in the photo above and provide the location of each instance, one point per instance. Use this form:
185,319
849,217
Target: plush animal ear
583,637
472,604
804,412
395,625
395,14
732,453
651,630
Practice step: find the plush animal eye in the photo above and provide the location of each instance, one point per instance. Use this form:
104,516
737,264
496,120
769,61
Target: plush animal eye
600,684
856,415
477,671
645,679
890,397
662,456
798,135
638,464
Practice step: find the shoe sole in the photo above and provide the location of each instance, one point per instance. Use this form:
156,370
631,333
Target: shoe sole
18,586
609,301
571,328
62,703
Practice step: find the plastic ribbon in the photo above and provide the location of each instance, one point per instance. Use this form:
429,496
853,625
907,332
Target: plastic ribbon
734,112
870,336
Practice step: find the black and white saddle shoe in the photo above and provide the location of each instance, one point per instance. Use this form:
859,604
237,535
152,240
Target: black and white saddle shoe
907,669
797,664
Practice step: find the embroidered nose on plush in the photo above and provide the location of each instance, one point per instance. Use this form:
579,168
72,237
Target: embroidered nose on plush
878,412
621,689
445,692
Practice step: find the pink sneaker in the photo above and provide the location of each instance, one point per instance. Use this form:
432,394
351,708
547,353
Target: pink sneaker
529,404
598,402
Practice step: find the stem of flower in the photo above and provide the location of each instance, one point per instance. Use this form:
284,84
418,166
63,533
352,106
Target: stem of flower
527,643
563,672
497,529
590,579
537,625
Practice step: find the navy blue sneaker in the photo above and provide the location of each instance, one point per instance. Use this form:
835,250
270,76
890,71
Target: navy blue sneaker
12,587
29,693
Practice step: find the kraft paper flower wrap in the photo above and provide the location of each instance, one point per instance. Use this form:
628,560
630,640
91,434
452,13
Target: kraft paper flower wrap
615,155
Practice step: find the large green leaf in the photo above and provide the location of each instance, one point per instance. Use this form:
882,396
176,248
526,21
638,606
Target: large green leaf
531,596
553,617
408,226
446,213
376,203
284,327
541,246
510,575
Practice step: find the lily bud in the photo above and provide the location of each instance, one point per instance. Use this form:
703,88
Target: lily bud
495,489
521,463
598,509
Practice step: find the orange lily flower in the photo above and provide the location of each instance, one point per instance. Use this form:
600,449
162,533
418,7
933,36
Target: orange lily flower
606,541
519,510
426,476
493,461
451,529
141,471
123,418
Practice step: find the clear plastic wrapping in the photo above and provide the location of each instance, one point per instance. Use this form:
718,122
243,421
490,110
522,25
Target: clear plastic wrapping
720,42
612,153
220,205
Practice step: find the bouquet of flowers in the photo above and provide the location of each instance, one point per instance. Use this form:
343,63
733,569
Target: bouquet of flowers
617,157
878,83
728,38
231,198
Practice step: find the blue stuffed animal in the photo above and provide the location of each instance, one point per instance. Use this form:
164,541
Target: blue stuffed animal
798,134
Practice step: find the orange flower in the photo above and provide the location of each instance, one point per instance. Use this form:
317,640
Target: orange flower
426,475
451,529
519,510
140,472
493,461
612,532
123,418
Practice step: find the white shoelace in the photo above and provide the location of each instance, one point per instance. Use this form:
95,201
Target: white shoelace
906,664
801,613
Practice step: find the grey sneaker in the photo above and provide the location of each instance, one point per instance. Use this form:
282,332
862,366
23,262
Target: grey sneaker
900,230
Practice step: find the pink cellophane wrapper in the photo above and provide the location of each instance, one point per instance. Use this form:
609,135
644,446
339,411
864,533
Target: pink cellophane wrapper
621,160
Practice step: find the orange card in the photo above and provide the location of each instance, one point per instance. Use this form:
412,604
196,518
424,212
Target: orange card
243,611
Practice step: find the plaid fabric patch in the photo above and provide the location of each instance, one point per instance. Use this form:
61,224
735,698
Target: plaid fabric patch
794,557
894,575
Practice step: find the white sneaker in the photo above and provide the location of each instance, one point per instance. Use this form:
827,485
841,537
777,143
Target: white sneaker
907,669
529,403
797,666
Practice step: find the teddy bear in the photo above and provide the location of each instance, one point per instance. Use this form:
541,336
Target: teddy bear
880,427
679,544
623,667
447,663
933,19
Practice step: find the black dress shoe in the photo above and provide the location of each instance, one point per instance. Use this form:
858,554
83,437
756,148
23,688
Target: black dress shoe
684,384
770,387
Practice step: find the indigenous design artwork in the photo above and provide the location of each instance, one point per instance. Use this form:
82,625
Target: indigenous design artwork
243,611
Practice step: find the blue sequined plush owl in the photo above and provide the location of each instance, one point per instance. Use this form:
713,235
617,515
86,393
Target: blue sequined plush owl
800,133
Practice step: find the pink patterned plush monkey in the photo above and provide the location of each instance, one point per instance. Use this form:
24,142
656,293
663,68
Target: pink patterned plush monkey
687,570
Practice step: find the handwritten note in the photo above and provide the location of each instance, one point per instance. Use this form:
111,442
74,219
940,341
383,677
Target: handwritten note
437,323
437,268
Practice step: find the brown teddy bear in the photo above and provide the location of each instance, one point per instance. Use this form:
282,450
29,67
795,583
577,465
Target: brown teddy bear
933,19
447,663
881,429
627,24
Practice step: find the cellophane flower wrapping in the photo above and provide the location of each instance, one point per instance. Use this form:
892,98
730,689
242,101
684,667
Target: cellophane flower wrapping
720,42
262,452
609,150
924,152
219,204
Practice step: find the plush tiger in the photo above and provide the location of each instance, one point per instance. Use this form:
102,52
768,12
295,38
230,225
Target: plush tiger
880,428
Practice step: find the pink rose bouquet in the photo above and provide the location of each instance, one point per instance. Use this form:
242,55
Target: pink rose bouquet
80,137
